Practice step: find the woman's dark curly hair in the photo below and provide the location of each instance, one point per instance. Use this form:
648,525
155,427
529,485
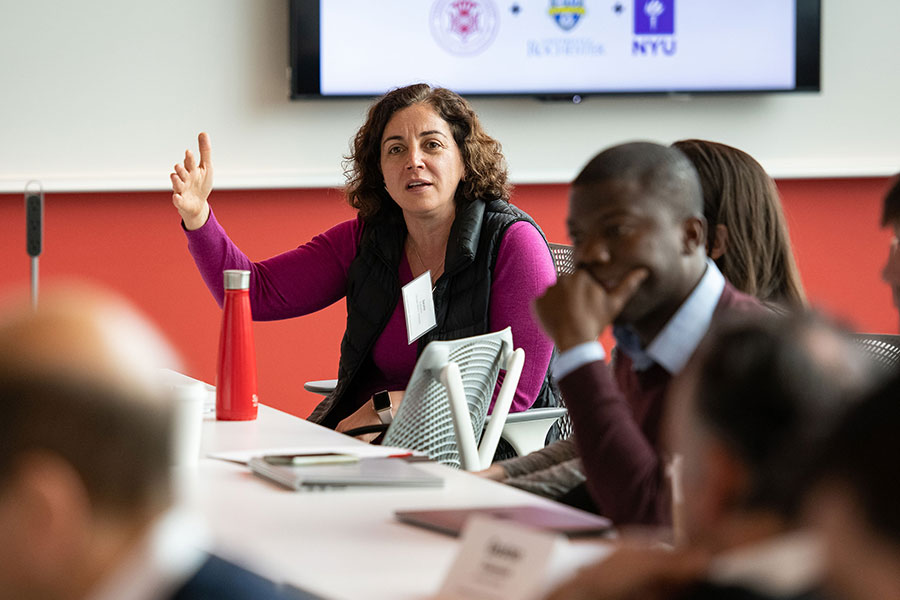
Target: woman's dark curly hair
485,168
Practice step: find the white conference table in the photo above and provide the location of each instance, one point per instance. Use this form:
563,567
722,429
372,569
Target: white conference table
342,544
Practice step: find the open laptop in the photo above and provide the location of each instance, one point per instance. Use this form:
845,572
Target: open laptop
369,472
554,518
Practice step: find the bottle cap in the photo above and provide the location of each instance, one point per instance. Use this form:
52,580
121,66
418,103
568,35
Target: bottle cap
236,279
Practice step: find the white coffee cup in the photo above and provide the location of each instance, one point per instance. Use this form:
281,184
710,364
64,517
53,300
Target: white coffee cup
188,423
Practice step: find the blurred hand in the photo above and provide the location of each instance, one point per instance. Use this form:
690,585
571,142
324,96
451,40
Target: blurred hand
191,184
635,574
577,309
494,472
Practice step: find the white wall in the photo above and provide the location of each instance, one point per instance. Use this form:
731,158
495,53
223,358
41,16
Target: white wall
107,94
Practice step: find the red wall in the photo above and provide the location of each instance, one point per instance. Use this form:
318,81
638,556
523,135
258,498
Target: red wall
132,243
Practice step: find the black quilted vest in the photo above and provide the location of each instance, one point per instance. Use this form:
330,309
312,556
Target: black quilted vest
461,295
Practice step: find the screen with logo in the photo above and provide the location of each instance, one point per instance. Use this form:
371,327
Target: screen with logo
554,47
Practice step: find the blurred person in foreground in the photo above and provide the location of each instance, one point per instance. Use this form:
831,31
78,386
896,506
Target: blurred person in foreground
856,500
746,418
890,218
86,502
747,238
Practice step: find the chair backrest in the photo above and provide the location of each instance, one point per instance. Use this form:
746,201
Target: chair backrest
448,395
884,349
562,258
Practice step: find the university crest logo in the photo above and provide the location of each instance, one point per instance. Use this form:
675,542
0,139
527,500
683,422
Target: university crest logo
464,27
566,13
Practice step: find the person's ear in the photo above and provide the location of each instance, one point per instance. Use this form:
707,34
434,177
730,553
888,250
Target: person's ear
55,517
719,242
693,234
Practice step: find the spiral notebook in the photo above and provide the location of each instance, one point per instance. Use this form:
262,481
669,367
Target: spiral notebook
367,472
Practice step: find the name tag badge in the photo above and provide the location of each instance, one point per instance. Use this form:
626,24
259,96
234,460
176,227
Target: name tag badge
499,560
418,304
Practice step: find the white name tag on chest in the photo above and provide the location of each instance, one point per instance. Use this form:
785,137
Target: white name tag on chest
499,560
418,305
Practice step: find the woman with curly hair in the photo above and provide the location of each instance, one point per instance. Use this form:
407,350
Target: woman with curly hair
431,191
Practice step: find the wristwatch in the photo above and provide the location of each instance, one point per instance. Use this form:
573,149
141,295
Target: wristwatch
382,403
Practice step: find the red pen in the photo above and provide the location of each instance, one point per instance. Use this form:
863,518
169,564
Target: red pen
400,455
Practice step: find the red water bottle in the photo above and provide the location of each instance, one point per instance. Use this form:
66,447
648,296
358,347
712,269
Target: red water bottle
236,398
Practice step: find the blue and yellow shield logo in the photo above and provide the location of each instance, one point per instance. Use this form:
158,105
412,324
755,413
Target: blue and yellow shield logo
566,13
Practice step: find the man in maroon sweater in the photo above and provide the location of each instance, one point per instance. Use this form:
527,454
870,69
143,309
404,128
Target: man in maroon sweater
636,219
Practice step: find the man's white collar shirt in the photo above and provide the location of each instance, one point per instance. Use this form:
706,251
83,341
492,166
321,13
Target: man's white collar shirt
786,565
675,343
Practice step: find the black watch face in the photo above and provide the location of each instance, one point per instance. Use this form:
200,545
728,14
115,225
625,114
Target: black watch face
381,400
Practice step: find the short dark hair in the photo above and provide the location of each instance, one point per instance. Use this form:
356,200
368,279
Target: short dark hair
890,211
661,171
861,456
118,441
485,166
739,194
766,389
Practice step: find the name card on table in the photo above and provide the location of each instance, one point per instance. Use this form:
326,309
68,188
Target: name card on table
499,560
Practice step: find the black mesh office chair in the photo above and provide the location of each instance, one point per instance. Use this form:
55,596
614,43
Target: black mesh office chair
534,428
883,348
563,258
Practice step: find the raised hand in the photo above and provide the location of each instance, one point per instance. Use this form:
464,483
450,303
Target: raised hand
191,184
577,309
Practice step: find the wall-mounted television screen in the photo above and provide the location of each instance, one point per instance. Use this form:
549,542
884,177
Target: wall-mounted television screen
554,48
